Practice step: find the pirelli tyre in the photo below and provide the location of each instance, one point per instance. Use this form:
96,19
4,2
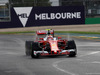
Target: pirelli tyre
28,47
71,47
35,50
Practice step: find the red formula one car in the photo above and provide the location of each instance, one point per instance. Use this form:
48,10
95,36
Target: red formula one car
48,45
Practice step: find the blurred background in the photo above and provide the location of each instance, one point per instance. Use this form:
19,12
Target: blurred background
92,7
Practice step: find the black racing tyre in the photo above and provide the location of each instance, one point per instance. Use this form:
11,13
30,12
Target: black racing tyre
71,45
72,54
35,47
28,47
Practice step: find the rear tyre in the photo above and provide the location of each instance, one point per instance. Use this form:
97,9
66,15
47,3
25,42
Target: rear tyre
28,47
35,48
71,45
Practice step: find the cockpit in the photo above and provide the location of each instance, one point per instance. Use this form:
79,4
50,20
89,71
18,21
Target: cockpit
49,38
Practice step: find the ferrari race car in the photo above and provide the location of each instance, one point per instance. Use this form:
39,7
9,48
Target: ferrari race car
48,45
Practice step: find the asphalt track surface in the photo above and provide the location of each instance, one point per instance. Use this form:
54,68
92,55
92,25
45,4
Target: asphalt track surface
13,60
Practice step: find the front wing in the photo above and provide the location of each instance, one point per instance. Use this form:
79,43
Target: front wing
46,53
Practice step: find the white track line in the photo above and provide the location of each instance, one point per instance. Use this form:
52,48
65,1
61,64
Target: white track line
55,64
93,73
91,53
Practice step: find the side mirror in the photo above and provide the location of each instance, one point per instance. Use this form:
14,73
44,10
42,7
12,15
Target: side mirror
59,37
41,38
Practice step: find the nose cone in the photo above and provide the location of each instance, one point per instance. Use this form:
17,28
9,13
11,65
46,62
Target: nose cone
55,52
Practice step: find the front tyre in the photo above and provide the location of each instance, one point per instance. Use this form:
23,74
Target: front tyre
35,49
72,54
33,55
71,47
28,47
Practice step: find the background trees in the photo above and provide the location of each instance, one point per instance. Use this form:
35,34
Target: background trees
23,3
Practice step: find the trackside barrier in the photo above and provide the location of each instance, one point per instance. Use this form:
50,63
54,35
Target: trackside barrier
44,16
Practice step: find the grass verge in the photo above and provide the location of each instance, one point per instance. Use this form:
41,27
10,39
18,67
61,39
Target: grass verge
17,32
78,32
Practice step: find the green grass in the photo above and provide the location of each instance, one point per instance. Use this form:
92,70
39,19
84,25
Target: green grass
78,32
17,32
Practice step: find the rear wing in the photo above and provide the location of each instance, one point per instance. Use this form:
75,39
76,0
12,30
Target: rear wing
44,32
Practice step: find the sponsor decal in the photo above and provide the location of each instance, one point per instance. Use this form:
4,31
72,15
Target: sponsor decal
23,14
